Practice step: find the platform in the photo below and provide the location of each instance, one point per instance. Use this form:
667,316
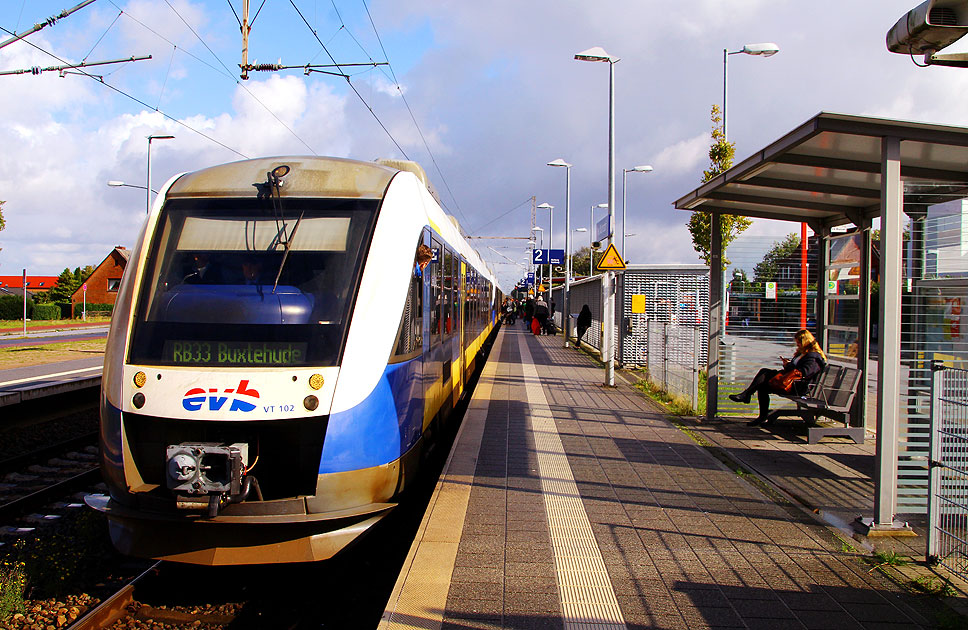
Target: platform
19,385
565,504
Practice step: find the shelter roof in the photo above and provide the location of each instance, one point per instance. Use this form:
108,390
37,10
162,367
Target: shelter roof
827,172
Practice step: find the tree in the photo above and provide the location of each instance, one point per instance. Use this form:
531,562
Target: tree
2,223
767,269
67,283
579,262
721,154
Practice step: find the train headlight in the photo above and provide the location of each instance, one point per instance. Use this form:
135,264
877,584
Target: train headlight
140,379
316,381
310,403
138,400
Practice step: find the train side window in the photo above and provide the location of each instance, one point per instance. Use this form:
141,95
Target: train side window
410,332
448,286
436,291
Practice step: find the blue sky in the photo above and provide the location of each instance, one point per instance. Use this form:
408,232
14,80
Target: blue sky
493,87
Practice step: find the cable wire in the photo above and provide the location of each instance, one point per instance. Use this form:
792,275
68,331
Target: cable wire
135,99
249,92
348,81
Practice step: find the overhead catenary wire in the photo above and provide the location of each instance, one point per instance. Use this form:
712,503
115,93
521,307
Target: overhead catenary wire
412,116
349,82
271,113
101,81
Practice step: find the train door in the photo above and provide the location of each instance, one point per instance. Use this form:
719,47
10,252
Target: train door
460,302
433,366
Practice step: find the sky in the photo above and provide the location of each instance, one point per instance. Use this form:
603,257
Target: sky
482,94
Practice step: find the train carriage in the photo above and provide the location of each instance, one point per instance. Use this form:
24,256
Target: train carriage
288,337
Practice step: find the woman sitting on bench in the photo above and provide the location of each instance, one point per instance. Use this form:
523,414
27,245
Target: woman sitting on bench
808,358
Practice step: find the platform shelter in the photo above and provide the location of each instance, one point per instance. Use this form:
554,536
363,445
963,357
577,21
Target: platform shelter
839,170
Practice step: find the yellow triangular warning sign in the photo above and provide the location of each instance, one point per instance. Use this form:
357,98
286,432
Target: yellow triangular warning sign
611,261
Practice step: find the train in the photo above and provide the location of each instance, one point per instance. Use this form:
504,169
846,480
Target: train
290,338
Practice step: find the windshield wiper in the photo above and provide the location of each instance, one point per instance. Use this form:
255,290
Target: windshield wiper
274,180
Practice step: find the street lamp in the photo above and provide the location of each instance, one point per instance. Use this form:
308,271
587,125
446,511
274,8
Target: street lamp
148,174
591,224
767,49
645,168
599,55
570,266
116,184
565,318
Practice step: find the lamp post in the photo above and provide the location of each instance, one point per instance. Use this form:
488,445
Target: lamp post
148,174
570,266
645,168
116,184
540,267
599,55
565,318
551,236
591,225
767,49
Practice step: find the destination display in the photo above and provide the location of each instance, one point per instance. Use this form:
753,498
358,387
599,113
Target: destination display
235,353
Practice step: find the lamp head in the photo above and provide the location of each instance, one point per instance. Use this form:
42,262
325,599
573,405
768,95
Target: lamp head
115,183
159,137
546,206
559,162
644,168
580,229
766,49
595,54
602,205
537,229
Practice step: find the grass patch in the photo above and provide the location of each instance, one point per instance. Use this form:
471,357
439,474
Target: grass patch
18,324
930,585
23,356
675,405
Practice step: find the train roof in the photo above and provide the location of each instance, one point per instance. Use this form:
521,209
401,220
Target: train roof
308,176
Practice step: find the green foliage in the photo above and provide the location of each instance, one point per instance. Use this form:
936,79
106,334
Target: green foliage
768,269
579,262
932,586
721,154
94,308
12,307
3,224
46,311
13,581
65,287
68,282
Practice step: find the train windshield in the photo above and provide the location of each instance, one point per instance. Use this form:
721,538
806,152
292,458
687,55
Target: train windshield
234,282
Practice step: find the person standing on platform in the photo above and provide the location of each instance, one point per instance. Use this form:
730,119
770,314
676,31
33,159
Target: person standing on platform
528,312
584,323
541,313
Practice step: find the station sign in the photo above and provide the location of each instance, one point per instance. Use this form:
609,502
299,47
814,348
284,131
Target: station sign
548,256
603,229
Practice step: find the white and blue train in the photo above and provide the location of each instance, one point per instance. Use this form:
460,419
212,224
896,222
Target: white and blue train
288,339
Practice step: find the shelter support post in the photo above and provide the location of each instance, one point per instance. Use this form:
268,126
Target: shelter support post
858,417
889,342
715,313
823,274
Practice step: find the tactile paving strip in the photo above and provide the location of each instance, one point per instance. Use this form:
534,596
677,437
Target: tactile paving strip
588,601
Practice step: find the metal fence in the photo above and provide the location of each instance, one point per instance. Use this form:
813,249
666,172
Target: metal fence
587,291
674,358
948,499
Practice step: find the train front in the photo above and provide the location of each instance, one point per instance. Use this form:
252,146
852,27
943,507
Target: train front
221,365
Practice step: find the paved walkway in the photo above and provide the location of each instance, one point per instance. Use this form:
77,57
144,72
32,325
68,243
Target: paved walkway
568,505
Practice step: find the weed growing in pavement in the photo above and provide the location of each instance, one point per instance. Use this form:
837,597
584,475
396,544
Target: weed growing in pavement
674,404
12,584
932,586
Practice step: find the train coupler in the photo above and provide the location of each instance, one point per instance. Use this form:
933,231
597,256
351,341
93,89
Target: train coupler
204,475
